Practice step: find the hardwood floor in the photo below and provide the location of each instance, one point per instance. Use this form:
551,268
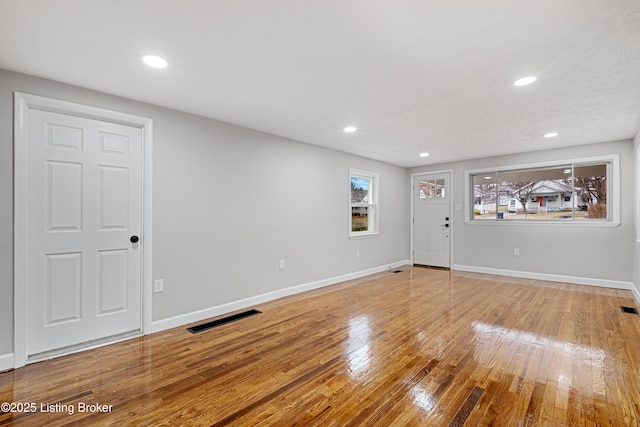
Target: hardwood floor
417,348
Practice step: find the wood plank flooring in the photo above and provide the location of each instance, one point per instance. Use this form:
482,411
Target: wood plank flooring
418,348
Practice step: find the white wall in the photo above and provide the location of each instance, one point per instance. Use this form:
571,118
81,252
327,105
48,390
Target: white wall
596,254
228,204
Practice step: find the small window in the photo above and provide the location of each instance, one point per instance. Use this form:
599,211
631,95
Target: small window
569,192
363,203
432,189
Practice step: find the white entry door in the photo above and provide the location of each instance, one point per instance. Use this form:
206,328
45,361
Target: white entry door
84,212
432,219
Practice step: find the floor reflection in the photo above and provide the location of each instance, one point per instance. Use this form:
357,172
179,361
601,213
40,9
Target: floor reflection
422,398
358,345
569,357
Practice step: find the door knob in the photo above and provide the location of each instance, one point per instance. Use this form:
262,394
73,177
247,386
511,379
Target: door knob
134,239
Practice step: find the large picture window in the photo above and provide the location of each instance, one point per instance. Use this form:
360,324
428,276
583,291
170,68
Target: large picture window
363,203
562,192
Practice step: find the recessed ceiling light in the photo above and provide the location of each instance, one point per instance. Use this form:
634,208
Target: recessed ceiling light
551,135
424,154
566,171
350,129
488,177
154,61
525,81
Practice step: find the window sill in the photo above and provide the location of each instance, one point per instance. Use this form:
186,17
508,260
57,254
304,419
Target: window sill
603,224
363,236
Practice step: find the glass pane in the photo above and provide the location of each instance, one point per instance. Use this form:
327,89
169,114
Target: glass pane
591,191
439,189
484,196
536,194
360,190
360,218
423,190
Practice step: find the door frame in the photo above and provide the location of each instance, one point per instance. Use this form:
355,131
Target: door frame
412,212
24,102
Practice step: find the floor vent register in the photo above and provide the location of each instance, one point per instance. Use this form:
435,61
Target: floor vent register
223,321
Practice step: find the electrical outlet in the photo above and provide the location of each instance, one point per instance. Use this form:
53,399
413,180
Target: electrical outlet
158,285
516,252
282,264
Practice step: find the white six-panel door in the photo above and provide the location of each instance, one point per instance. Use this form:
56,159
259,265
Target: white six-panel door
432,219
84,203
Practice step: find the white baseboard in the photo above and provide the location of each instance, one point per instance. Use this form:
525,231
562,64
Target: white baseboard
617,284
6,362
196,316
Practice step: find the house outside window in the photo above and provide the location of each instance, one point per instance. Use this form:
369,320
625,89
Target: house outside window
363,203
573,191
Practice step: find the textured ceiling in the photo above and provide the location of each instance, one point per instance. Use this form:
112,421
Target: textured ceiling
413,76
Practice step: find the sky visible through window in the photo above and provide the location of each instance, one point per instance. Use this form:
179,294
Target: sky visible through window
360,183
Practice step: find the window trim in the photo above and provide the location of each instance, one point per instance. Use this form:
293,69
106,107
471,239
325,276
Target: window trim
374,203
637,195
614,193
